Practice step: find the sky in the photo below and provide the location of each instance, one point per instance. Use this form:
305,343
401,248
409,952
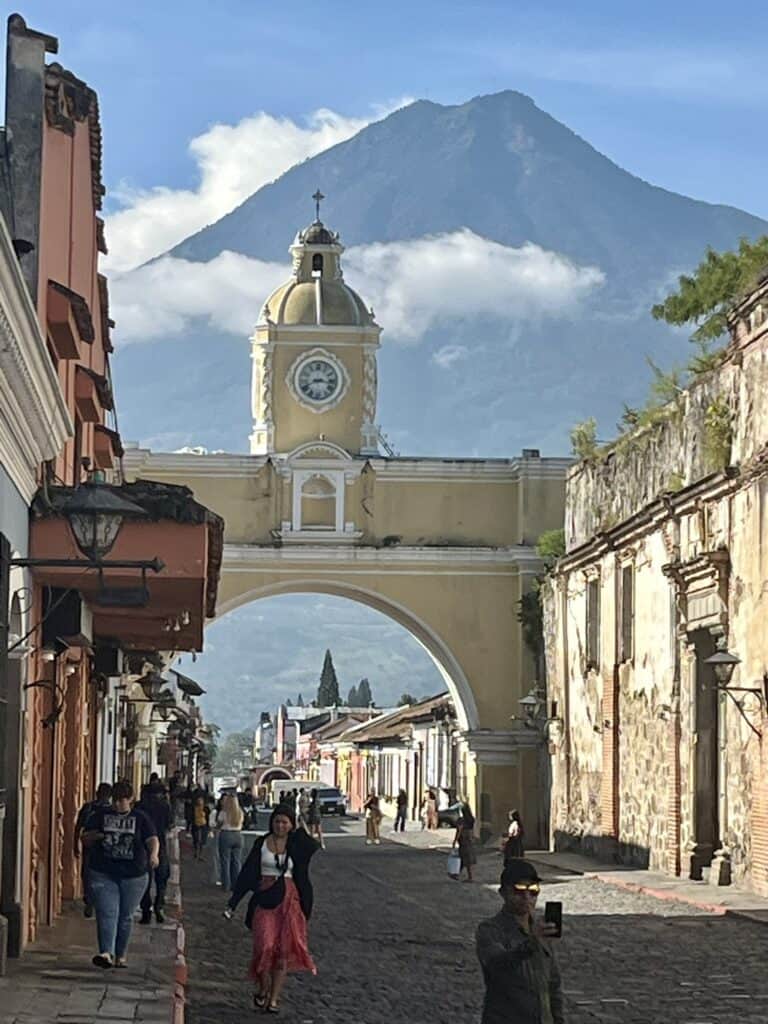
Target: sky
672,92
201,104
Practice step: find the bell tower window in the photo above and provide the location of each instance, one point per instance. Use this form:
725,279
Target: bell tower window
317,264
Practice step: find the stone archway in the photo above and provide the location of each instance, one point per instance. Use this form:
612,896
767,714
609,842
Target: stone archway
444,546
450,670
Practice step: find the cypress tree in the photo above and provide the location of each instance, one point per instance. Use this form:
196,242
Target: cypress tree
364,695
328,690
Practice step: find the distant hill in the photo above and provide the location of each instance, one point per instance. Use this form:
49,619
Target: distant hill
509,172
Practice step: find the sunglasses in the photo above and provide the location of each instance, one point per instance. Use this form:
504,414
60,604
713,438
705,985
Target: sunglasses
527,887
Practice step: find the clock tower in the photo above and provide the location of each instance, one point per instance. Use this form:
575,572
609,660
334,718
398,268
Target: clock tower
314,356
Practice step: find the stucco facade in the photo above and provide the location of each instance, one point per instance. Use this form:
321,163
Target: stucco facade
667,555
443,546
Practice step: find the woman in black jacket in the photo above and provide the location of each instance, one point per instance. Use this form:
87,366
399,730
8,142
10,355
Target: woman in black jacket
279,858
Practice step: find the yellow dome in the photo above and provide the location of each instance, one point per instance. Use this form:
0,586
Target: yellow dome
317,293
296,303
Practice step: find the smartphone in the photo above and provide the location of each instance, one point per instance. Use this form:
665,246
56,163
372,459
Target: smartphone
553,914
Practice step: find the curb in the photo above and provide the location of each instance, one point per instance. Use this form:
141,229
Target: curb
668,895
662,894
180,970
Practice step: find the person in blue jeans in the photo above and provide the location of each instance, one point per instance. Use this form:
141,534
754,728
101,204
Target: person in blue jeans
229,822
123,848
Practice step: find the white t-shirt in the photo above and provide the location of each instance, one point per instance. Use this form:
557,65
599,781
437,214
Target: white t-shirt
272,863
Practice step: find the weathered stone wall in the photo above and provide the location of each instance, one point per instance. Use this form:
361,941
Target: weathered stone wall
610,489
614,518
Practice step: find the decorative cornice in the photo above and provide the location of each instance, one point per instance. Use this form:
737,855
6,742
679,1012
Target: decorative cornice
469,561
32,403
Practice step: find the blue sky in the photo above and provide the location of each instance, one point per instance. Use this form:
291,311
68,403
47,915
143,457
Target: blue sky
672,92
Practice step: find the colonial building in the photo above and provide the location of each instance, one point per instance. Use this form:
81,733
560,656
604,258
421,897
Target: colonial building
445,547
108,570
658,758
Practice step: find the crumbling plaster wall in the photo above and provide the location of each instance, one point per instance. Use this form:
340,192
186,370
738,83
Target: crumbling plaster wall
612,487
611,490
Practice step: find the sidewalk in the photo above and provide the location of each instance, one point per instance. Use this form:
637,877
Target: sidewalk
716,899
54,981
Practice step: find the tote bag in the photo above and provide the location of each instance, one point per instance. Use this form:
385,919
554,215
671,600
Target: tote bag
454,864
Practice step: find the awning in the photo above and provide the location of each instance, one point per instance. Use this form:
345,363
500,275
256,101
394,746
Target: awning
93,394
69,321
187,685
107,447
180,531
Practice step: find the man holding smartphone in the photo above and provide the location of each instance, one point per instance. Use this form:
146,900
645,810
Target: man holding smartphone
522,979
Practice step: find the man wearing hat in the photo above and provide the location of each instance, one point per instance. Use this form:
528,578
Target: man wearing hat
522,980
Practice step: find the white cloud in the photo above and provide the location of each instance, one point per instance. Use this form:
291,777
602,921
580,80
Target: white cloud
413,285
233,162
446,356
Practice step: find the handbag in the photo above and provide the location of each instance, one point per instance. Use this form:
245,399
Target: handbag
268,899
454,864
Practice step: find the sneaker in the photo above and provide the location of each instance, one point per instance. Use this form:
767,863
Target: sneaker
121,962
368,842
87,910
159,916
377,842
102,960
146,917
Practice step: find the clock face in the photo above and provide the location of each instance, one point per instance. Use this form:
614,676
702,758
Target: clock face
318,380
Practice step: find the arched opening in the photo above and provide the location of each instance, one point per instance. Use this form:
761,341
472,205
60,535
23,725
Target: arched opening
317,264
423,645
318,504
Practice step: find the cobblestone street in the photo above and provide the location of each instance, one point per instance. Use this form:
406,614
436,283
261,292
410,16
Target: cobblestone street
393,937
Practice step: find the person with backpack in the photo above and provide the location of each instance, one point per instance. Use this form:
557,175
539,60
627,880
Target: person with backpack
276,872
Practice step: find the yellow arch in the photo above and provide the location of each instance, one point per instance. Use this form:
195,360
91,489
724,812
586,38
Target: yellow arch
451,671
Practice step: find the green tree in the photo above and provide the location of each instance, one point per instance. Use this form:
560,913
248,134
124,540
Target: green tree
234,753
706,297
364,695
405,699
352,699
584,439
328,690
551,545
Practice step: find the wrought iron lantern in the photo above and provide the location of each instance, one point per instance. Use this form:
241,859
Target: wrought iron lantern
95,515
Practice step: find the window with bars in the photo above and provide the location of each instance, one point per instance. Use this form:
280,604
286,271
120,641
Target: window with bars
627,633
593,623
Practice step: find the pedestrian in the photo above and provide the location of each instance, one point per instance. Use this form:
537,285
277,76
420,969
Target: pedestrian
513,846
199,827
123,847
103,799
315,818
464,839
373,818
280,860
302,807
402,811
431,810
229,822
522,979
154,803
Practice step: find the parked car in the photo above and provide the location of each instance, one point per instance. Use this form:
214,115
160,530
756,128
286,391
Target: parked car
449,816
332,801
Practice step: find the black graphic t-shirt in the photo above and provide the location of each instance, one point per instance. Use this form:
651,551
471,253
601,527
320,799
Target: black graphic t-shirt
122,853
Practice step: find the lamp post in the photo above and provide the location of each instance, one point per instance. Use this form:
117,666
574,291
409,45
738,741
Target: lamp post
723,663
95,515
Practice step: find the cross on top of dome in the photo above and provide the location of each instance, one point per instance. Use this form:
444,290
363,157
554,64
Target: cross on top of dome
317,233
